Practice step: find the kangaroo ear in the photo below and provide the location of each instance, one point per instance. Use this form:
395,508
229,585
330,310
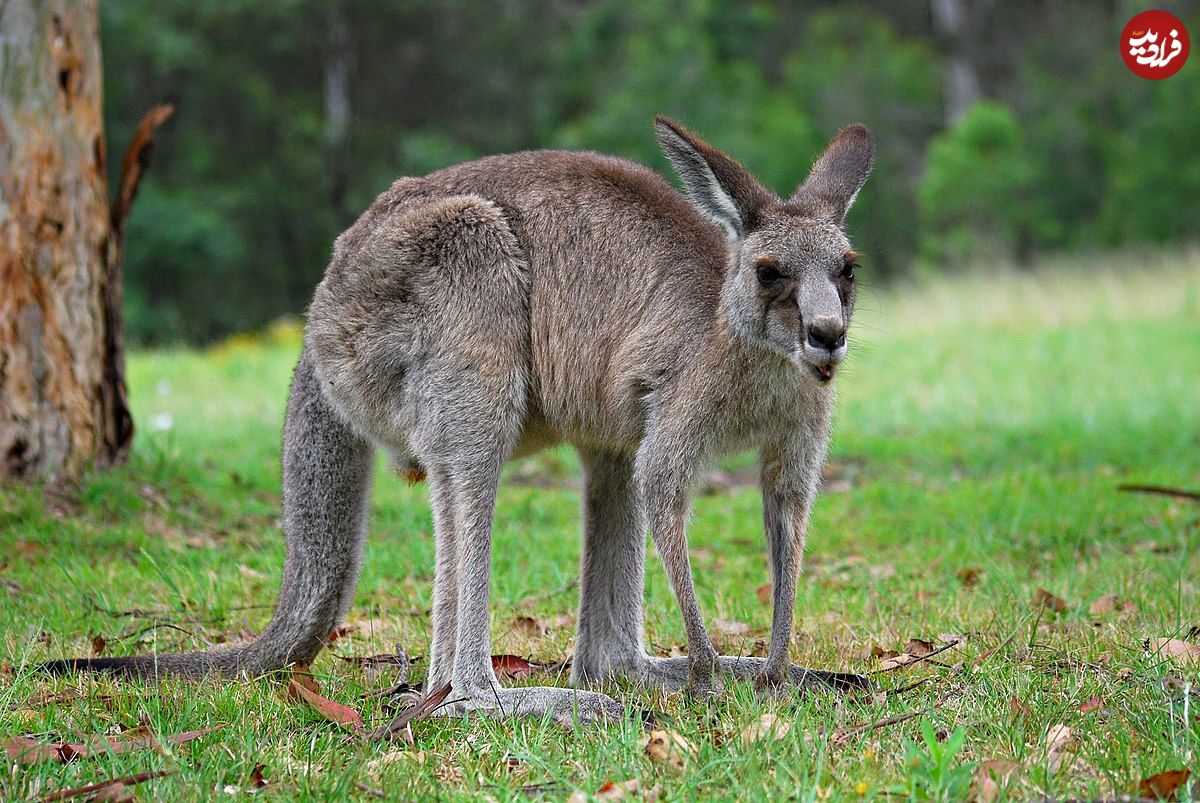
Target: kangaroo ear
722,188
839,174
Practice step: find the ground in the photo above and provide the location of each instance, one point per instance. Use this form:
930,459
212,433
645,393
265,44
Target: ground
985,423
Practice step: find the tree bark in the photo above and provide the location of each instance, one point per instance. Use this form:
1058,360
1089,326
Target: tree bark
959,25
62,373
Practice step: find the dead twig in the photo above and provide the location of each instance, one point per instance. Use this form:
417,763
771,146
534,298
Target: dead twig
128,780
1161,490
370,790
421,709
840,735
918,659
137,156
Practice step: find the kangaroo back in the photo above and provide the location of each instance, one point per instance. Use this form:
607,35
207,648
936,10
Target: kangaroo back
327,472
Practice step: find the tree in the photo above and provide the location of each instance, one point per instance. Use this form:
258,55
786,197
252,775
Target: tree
62,383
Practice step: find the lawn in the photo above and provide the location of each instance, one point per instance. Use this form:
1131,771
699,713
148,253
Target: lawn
985,423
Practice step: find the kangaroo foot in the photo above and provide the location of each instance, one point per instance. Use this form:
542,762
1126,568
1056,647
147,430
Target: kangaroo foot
672,674
566,707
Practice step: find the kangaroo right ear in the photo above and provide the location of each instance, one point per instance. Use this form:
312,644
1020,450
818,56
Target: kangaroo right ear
839,174
722,188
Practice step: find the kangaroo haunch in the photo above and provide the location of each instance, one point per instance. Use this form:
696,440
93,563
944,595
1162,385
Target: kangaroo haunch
497,307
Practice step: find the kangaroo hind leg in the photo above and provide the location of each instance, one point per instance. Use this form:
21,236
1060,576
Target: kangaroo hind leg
462,406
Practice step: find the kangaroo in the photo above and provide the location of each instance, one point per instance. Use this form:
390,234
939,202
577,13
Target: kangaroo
494,308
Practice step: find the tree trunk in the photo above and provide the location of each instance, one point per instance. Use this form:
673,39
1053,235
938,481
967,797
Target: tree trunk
959,25
62,383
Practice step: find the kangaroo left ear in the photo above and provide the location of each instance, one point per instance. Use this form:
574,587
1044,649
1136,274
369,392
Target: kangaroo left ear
722,188
838,175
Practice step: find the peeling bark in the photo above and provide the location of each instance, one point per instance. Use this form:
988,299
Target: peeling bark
62,374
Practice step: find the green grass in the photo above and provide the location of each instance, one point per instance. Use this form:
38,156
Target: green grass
987,421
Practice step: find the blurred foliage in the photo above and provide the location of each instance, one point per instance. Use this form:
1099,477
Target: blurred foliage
973,196
293,114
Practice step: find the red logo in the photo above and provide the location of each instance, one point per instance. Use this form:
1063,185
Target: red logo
1155,44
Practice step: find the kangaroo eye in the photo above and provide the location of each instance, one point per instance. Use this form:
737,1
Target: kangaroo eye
848,273
767,271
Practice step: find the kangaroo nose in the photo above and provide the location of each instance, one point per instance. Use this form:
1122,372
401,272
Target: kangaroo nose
826,332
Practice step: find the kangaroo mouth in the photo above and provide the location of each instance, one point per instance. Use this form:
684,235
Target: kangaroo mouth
822,371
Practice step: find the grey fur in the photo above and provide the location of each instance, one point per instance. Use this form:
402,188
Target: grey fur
500,306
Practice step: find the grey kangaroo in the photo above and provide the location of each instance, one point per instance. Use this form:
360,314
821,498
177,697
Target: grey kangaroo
498,307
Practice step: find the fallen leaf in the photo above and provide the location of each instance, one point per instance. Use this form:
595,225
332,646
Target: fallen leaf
768,727
1163,785
969,576
1060,747
1019,707
919,648
250,574
1091,705
530,626
882,572
1059,738
256,780
1175,649
514,666
612,790
1044,599
302,677
24,750
764,592
731,627
98,645
333,711
897,661
339,633
669,748
990,777
1104,604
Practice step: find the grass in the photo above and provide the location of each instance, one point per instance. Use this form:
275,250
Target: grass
985,423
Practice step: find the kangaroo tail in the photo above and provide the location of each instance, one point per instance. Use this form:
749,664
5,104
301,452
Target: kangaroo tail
327,471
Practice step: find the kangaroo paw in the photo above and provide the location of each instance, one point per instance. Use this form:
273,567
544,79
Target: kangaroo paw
567,707
672,674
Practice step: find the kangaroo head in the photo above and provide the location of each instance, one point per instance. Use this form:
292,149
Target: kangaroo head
789,281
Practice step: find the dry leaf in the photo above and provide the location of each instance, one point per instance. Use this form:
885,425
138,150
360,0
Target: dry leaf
969,576
1176,650
897,661
1105,604
250,574
1060,745
333,711
731,627
768,727
919,648
1091,705
669,748
610,791
339,633
764,592
1020,707
1044,599
24,750
302,677
990,777
98,645
514,666
530,626
1163,785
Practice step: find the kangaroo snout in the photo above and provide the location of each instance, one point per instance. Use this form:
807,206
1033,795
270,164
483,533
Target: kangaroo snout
826,333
